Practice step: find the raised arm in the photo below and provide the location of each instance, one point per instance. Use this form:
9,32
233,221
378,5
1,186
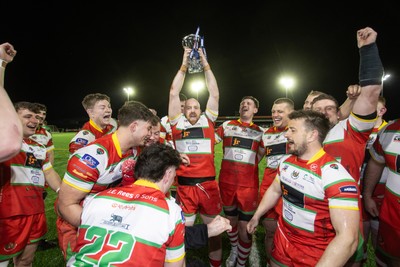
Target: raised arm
211,83
10,124
7,54
353,91
174,107
370,73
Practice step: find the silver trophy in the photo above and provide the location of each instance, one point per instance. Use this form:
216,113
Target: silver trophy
195,42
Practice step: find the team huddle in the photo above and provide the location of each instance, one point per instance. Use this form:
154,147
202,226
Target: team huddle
133,187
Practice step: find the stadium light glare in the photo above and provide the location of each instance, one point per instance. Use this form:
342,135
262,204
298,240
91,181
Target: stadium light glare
287,83
129,91
196,87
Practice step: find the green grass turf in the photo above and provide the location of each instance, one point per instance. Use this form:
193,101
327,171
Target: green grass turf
53,257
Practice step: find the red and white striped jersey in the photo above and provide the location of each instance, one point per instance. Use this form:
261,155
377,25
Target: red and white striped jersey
241,143
386,150
44,137
98,165
90,131
309,190
346,142
22,181
197,141
134,225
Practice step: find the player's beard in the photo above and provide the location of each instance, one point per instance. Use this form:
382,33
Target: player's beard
298,149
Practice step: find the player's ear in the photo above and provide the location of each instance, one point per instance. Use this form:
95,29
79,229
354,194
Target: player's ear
312,135
133,126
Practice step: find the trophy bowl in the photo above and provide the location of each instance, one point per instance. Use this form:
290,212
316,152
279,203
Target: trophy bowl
191,41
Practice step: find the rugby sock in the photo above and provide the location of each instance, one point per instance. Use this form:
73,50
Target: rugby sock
215,263
233,236
243,252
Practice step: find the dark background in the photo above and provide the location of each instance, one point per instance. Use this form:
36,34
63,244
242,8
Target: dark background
68,49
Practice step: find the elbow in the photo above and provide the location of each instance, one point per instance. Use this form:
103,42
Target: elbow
173,93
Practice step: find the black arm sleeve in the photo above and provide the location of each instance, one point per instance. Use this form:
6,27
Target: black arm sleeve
196,236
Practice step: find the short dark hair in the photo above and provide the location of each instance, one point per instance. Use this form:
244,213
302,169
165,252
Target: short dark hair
155,120
155,160
285,100
133,111
312,92
324,96
26,105
182,97
41,106
252,98
313,120
91,99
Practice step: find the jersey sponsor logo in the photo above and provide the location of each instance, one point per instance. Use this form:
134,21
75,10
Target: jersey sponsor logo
116,220
292,195
285,167
238,156
80,174
79,171
192,148
81,141
348,189
288,215
308,178
35,171
35,179
276,149
242,142
90,161
183,217
195,132
100,151
32,161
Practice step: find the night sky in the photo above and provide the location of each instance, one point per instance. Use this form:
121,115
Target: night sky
67,50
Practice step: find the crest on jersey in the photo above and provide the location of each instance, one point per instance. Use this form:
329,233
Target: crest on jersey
295,174
334,166
314,167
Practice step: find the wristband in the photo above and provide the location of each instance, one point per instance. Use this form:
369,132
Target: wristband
183,68
206,68
3,63
58,189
